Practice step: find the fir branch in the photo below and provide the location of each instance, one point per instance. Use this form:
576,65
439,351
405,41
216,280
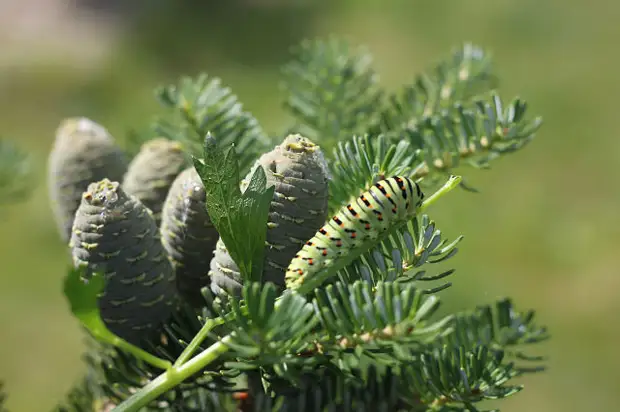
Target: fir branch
383,315
264,334
455,376
400,255
15,173
202,105
328,389
502,328
331,91
465,74
3,397
361,161
474,135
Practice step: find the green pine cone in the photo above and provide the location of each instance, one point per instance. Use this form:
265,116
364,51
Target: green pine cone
152,172
116,235
188,235
298,170
83,152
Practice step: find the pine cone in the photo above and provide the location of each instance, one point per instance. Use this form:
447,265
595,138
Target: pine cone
83,152
188,235
152,172
116,235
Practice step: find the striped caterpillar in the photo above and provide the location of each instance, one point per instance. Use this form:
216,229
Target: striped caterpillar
348,233
83,152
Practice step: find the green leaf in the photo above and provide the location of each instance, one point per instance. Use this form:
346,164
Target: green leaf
82,296
240,218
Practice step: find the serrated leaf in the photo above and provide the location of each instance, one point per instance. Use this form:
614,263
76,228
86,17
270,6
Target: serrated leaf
240,218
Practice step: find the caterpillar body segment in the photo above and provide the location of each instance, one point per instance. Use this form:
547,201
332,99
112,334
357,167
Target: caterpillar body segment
299,173
83,152
152,171
354,229
188,235
114,234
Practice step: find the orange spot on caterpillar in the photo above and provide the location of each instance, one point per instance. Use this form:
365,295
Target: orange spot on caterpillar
338,221
351,210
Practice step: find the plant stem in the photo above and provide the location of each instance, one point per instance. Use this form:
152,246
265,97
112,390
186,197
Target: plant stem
195,343
448,186
173,376
142,354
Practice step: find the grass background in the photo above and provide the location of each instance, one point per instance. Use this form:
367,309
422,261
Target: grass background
543,230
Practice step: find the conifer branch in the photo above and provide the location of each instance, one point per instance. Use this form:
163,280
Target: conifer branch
15,173
467,73
363,332
331,90
202,105
472,135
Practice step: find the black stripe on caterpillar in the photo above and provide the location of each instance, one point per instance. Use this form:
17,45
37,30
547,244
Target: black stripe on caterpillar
152,171
355,228
83,152
188,235
299,172
114,234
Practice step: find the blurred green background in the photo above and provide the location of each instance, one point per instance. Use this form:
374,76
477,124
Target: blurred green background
543,230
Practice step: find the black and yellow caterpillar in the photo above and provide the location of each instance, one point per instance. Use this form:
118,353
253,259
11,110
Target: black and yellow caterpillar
83,152
114,234
359,224
152,171
188,235
299,173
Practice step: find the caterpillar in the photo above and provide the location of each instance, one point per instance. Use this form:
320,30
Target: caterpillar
188,235
152,171
299,173
114,234
83,152
347,234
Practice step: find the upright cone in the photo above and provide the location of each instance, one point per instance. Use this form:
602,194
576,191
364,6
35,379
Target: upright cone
188,235
116,235
152,172
83,152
